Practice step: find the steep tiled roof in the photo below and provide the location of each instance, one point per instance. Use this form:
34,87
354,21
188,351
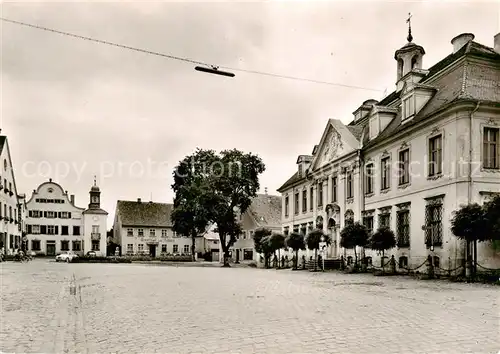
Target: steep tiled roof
266,210
291,181
356,130
462,83
134,213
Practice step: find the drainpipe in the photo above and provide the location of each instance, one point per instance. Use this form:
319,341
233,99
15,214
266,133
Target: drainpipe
361,188
469,184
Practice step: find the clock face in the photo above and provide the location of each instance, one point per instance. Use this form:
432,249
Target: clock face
96,218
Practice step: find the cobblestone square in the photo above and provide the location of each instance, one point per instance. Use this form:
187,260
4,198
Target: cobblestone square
50,307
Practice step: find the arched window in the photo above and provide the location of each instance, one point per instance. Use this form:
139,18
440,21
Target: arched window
349,217
331,223
400,68
414,61
403,262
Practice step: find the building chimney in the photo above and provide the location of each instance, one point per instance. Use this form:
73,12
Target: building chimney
72,199
496,42
461,40
138,200
50,179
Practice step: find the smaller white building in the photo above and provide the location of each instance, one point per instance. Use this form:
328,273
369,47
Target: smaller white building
94,224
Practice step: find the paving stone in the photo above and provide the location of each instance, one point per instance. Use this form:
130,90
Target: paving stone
140,309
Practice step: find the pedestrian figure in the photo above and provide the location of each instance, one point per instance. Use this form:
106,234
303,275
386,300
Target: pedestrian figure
303,262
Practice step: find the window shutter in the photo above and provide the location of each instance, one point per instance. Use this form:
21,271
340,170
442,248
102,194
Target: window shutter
69,215
59,214
44,214
56,232
43,229
29,229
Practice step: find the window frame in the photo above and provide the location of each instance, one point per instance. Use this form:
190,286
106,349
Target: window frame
435,152
402,181
485,149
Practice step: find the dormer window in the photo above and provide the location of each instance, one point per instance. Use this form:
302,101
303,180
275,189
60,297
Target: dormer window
408,107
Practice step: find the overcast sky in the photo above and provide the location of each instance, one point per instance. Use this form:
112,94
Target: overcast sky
73,109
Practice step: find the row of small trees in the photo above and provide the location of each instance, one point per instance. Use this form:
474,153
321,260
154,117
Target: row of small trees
352,236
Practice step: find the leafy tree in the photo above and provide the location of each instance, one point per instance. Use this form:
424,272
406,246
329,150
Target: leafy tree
492,218
354,235
260,245
313,240
277,242
296,242
383,239
470,223
267,249
190,216
218,186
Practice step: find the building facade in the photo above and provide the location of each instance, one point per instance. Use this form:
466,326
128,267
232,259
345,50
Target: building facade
145,228
410,160
263,212
95,222
10,218
54,224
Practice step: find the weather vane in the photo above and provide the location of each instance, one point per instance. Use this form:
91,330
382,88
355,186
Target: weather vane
408,21
95,180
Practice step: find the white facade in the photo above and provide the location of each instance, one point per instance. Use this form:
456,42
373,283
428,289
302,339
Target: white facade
144,228
54,224
10,224
429,147
94,224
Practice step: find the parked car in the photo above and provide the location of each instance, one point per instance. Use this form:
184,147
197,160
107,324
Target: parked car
66,257
91,254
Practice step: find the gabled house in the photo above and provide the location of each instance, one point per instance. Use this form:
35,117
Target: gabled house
145,228
410,160
264,212
10,202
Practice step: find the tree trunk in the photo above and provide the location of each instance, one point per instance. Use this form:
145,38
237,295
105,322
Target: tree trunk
474,267
383,265
193,246
315,259
296,265
355,257
279,259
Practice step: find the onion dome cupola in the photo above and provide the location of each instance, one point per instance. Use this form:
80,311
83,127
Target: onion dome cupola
409,56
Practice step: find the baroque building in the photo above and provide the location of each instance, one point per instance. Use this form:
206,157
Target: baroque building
410,160
54,224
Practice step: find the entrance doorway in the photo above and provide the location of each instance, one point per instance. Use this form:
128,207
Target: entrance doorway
51,248
237,256
152,250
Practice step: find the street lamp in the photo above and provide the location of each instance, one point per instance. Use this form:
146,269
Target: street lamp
323,252
213,70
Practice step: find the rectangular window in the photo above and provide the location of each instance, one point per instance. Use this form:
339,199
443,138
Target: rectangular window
140,232
320,194
334,189
64,245
491,151
247,254
164,233
51,230
130,232
163,248
35,229
434,223
35,245
65,215
311,198
76,230
435,156
140,247
43,229
384,220
296,203
296,229
152,233
403,228
176,249
385,168
186,249
370,173
349,186
286,230
304,201
64,230
404,167
286,206
408,108
10,212
95,245
51,215
77,245
368,222
130,248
